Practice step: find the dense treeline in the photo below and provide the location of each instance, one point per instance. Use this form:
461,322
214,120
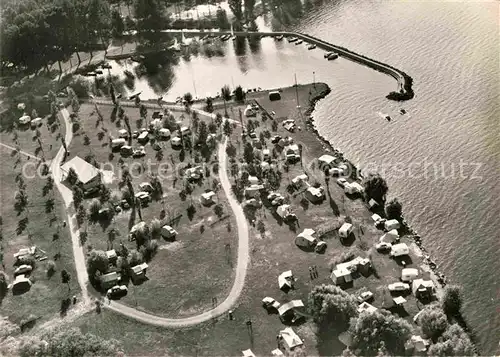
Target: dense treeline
38,32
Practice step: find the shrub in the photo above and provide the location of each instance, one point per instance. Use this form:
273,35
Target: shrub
329,304
97,261
453,342
393,209
433,321
94,207
3,284
150,249
135,258
375,187
156,227
452,300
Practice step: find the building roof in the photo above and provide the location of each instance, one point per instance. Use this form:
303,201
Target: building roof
399,249
291,339
85,171
421,283
399,300
111,253
392,223
248,353
376,217
316,192
390,236
276,353
328,159
299,178
137,226
409,272
208,195
290,305
283,210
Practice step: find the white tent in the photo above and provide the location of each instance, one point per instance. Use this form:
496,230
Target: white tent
400,249
345,230
25,119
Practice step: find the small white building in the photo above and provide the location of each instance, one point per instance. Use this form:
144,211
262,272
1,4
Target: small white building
194,173
292,152
185,131
266,154
253,191
423,288
21,284
341,276
345,230
248,353
25,119
277,353
314,194
409,274
417,344
376,218
207,198
390,237
326,162
392,224
400,249
289,339
118,143
364,306
143,137
372,203
285,280
306,239
253,180
138,273
168,232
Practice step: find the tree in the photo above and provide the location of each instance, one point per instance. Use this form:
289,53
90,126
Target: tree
97,261
142,234
156,228
391,330
117,24
231,150
236,9
152,16
239,94
249,8
94,208
433,321
86,140
218,210
453,342
393,209
328,304
135,258
143,111
227,128
209,105
226,95
65,278
376,187
452,300
248,153
188,97
72,176
218,119
81,215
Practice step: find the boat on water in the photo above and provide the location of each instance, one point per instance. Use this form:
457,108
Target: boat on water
384,116
279,38
128,73
402,111
312,46
292,39
332,56
225,37
299,42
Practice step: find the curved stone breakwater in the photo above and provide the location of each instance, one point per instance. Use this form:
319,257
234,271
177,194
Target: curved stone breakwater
405,82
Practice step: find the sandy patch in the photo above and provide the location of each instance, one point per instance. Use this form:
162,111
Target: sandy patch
172,246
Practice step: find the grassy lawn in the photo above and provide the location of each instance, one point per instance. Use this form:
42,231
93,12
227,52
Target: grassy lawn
195,271
273,252
44,298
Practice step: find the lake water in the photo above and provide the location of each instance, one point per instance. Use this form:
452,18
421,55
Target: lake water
450,140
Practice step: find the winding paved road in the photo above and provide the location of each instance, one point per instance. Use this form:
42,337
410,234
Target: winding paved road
243,245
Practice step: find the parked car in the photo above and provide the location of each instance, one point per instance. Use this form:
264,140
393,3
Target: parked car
269,302
383,246
23,269
341,182
398,287
117,292
365,296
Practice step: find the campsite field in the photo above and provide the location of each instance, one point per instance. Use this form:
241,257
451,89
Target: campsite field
192,273
274,251
36,225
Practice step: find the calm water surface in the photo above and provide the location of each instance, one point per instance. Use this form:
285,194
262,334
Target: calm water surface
451,50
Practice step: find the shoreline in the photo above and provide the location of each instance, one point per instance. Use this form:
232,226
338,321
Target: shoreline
428,263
